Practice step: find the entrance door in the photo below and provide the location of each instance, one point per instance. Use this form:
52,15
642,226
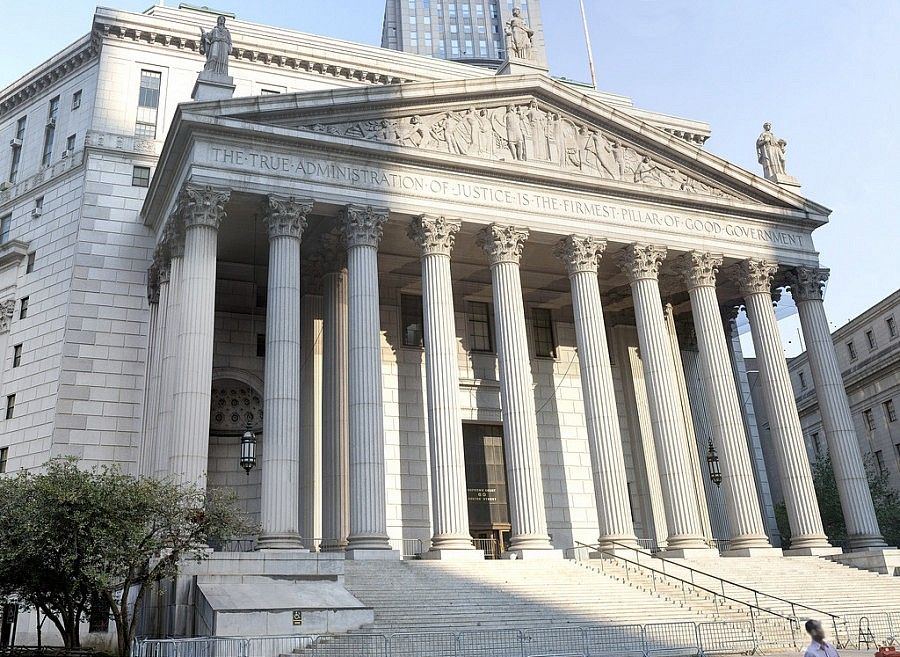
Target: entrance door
486,487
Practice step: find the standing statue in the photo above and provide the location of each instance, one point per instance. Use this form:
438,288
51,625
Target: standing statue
770,153
520,37
216,45
515,133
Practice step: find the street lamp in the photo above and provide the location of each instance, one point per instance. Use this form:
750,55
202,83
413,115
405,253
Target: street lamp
712,463
248,450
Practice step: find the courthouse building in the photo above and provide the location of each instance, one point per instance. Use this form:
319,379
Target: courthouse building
447,303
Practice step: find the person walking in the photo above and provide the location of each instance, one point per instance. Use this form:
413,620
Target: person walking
818,647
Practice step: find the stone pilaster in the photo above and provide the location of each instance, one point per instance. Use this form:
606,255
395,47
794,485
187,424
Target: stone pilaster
435,237
807,535
504,245
285,220
174,240
641,264
746,530
335,426
806,286
581,256
362,231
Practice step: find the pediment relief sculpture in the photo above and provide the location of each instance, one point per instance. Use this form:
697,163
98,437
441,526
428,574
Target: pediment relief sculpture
524,132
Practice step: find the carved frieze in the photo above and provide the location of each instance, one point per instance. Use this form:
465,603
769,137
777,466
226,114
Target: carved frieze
641,261
524,132
435,235
807,283
580,253
502,243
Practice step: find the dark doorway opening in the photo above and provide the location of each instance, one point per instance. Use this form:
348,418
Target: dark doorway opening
486,489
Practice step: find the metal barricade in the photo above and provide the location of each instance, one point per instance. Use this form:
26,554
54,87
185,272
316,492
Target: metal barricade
351,645
554,642
433,644
773,632
493,643
211,647
614,641
272,646
867,631
726,638
671,639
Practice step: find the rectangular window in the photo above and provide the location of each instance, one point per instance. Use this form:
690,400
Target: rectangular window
16,146
17,355
76,100
879,459
50,131
890,413
4,457
140,177
870,339
260,345
481,336
412,320
29,264
869,417
851,350
148,104
70,144
5,225
10,406
817,444
544,344
23,308
891,327
39,203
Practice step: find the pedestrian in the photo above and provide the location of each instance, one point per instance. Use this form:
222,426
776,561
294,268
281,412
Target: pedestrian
819,647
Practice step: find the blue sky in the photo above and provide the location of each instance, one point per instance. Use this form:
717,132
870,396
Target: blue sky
824,72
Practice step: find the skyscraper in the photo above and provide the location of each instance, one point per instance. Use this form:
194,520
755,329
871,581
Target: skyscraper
470,31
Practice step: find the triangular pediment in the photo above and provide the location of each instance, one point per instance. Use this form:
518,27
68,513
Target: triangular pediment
531,122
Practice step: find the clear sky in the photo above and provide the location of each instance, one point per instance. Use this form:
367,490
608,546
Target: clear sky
824,72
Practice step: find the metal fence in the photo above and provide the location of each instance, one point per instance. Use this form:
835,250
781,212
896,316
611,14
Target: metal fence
684,639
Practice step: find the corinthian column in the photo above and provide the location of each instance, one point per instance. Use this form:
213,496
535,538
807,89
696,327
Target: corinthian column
449,510
747,533
503,245
285,221
203,210
362,230
174,241
849,472
335,427
581,256
807,535
641,263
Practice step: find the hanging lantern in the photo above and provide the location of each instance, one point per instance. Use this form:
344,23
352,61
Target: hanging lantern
248,450
712,462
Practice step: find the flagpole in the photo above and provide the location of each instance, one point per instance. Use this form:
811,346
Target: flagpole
587,40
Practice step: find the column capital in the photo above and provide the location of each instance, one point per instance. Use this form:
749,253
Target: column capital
434,234
699,268
332,251
286,216
203,205
807,283
580,253
165,271
502,242
172,242
362,225
153,282
642,261
755,276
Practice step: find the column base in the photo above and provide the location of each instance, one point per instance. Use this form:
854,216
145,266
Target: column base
453,555
857,543
280,541
754,552
363,554
885,560
823,551
532,555
690,553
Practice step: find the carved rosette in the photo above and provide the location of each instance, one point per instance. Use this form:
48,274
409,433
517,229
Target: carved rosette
203,205
580,253
807,283
7,307
286,216
642,261
699,268
362,225
502,243
755,276
435,235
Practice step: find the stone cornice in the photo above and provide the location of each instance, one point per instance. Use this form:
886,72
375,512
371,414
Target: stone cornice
12,252
42,177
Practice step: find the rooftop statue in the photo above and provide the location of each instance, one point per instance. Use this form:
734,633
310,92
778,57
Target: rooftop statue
216,45
519,37
770,153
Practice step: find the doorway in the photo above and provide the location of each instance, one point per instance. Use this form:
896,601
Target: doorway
486,490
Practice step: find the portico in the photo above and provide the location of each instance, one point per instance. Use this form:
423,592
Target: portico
523,271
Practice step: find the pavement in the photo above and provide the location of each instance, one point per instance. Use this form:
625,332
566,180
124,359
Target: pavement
843,653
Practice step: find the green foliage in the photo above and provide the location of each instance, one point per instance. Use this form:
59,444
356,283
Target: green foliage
67,534
885,498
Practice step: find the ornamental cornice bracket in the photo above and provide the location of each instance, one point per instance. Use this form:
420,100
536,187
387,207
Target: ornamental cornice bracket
502,242
580,253
699,268
642,261
434,234
285,216
807,283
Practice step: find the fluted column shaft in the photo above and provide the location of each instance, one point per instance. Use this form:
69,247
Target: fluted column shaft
362,228
165,423
581,257
504,245
335,426
203,211
449,507
152,435
280,490
641,264
843,446
746,529
755,277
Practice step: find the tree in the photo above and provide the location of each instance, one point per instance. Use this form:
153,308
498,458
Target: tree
885,498
69,534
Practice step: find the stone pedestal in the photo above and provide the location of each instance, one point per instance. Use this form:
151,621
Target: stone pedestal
879,560
522,67
213,87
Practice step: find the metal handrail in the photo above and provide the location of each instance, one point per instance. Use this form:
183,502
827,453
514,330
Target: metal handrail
755,592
